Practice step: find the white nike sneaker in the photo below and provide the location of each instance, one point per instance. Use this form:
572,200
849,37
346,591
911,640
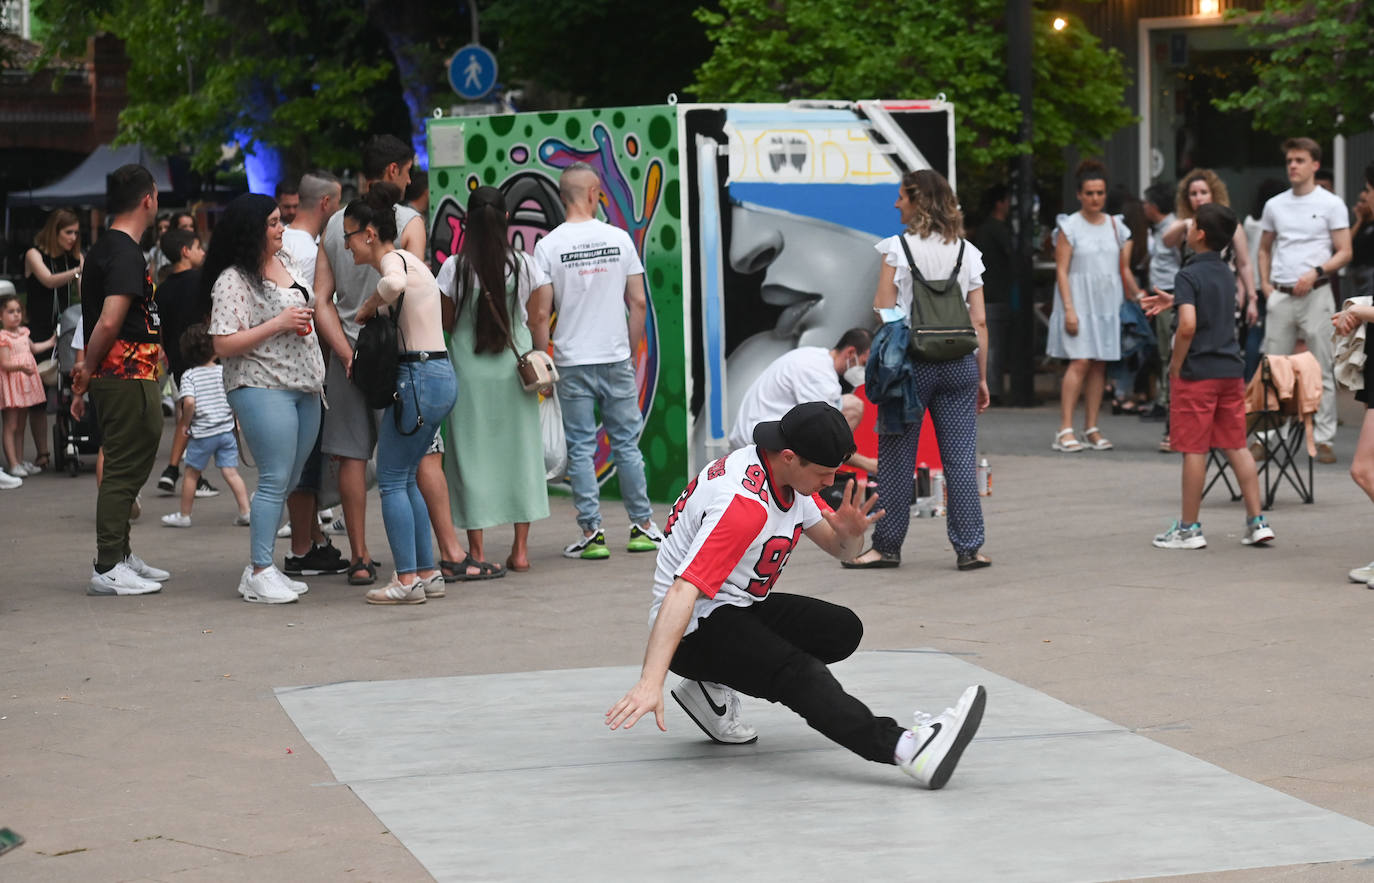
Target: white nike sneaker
943,738
715,709
266,587
120,580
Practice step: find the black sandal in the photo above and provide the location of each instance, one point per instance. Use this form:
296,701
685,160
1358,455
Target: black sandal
42,460
884,559
357,566
972,560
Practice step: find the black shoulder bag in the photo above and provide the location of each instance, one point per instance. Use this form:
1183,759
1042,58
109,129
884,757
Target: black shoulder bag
377,361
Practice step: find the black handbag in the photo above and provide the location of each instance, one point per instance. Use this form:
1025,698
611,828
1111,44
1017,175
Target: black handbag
376,358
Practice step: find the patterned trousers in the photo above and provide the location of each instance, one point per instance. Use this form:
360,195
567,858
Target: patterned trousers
949,391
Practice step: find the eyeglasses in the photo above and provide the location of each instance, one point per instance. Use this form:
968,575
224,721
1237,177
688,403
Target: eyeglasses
354,233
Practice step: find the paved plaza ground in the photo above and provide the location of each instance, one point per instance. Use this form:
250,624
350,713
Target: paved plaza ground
157,737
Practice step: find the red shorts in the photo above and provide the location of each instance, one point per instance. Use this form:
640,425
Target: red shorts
1205,414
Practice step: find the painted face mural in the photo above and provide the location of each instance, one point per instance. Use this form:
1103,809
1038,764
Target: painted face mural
523,155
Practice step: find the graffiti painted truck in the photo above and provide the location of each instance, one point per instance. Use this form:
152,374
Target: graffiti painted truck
755,224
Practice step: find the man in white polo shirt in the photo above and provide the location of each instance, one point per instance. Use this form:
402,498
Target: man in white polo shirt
1304,243
598,293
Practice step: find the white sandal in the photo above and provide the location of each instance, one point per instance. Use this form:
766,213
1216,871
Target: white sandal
1102,443
1072,446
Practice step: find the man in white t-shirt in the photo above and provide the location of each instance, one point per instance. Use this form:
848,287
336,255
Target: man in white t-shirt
716,621
1304,243
808,374
319,193
598,294
312,554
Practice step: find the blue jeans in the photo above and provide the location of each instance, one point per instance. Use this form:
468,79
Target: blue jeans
612,386
404,514
279,426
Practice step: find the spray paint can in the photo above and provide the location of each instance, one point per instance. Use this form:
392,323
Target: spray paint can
984,477
937,492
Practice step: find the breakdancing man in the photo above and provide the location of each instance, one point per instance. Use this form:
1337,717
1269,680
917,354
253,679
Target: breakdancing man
717,622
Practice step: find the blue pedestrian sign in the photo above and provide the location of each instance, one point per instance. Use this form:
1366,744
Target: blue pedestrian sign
472,72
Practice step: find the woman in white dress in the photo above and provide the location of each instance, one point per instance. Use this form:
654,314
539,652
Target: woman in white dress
1092,274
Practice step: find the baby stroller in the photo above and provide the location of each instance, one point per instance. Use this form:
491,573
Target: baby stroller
70,438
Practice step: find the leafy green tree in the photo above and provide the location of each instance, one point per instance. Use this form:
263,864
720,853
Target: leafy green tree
842,49
601,53
301,75
1316,67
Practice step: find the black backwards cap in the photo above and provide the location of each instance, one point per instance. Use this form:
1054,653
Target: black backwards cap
815,431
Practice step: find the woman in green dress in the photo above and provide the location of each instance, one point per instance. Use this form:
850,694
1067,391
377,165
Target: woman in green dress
495,453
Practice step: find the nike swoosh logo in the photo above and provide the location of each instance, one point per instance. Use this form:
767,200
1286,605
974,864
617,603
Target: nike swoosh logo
718,709
935,731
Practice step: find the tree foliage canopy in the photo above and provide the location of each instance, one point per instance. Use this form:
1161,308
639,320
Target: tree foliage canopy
297,75
841,49
638,53
1316,70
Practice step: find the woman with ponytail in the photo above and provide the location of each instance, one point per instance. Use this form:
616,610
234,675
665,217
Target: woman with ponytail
495,461
1091,256
425,390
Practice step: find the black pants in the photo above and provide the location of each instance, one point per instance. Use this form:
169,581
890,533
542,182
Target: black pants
778,650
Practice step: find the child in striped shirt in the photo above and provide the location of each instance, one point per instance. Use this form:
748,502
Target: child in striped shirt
208,421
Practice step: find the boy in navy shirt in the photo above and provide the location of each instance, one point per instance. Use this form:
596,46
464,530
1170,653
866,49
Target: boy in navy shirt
1207,389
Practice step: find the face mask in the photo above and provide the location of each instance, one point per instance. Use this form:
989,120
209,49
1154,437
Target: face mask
854,374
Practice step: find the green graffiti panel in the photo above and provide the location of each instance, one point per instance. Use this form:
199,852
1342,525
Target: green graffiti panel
634,149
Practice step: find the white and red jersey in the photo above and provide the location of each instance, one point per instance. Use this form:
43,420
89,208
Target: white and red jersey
730,532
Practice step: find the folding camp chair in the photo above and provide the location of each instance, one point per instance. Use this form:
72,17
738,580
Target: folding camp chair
1282,437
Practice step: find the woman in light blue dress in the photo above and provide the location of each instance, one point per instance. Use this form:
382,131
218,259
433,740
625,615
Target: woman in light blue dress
1092,271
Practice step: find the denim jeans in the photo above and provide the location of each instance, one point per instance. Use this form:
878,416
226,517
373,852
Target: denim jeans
433,385
581,388
279,426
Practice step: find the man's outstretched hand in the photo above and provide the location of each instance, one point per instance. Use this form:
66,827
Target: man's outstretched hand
642,699
852,518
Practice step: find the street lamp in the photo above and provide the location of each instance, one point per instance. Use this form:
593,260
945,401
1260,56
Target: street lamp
1060,23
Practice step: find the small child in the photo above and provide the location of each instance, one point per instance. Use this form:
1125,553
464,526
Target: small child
209,423
20,387
1207,389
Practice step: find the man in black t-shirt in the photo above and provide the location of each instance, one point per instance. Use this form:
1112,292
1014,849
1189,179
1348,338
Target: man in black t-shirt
122,342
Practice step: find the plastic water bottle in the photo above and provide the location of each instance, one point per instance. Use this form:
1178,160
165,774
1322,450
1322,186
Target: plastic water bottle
984,477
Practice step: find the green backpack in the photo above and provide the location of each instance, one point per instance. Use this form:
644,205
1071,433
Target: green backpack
941,329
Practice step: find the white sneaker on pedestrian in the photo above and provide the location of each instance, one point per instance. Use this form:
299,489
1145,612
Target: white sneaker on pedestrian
120,580
16,471
336,527
146,570
1257,532
395,593
9,482
29,468
266,587
284,532
715,709
941,739
242,520
176,519
1363,574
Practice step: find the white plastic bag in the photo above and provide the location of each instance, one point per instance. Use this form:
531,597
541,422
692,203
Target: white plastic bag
555,445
